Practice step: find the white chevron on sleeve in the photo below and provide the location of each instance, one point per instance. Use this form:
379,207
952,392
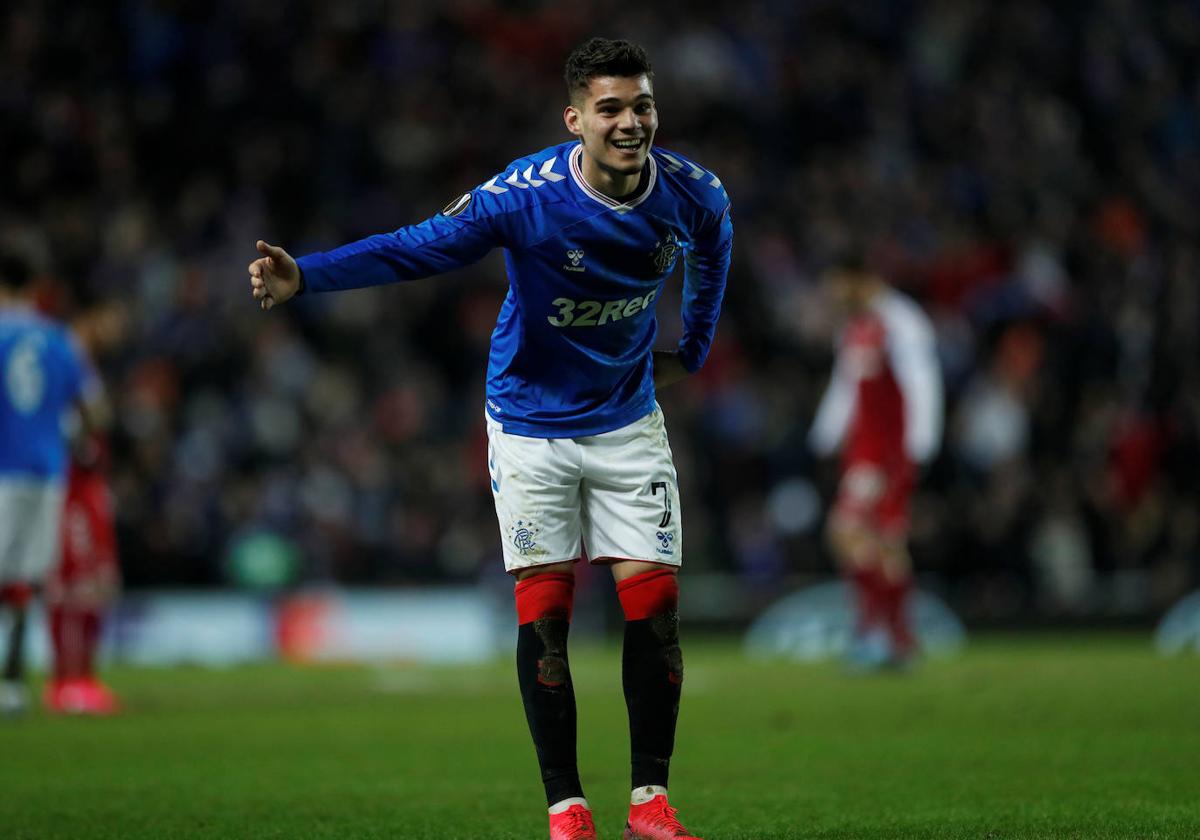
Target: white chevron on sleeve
673,164
715,182
546,172
492,187
515,180
528,174
697,173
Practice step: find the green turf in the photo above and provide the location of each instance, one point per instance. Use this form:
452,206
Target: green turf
1051,738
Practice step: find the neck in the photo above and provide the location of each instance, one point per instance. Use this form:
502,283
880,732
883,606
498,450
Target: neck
606,181
868,294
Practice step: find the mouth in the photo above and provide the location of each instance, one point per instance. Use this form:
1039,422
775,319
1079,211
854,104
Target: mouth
629,145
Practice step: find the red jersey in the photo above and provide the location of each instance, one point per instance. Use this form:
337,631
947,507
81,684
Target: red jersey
883,408
876,432
884,402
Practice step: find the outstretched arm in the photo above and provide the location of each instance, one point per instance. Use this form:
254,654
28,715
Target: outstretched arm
437,245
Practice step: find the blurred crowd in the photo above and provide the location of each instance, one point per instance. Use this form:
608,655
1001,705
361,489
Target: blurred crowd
1029,171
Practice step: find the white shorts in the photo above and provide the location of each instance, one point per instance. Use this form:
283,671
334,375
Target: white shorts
30,519
607,497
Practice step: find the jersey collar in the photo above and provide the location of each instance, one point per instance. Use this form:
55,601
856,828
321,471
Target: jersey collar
576,168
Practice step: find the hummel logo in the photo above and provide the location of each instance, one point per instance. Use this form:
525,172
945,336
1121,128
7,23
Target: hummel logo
575,255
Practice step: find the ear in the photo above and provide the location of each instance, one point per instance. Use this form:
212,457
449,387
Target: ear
571,117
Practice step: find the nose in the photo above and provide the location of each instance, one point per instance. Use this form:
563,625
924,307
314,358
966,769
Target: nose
629,120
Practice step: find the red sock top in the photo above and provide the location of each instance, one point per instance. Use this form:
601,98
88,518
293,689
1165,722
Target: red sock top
548,595
648,594
16,595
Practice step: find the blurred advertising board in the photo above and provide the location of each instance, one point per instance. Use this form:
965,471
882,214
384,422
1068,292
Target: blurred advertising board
1179,631
328,625
818,623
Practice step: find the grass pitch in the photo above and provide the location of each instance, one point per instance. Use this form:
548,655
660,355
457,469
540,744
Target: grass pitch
1051,738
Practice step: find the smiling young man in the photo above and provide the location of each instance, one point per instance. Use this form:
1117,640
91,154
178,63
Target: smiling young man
577,447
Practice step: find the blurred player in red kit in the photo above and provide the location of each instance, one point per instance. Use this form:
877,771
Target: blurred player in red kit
883,410
82,587
86,580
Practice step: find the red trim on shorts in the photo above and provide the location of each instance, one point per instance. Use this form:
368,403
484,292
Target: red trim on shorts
16,595
649,594
546,595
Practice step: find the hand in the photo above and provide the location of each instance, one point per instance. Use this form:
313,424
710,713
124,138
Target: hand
274,277
667,368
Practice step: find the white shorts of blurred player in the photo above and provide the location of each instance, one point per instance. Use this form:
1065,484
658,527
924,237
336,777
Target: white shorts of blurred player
607,497
30,523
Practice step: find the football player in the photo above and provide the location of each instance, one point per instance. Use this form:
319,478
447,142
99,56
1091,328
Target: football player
41,376
86,580
578,453
883,409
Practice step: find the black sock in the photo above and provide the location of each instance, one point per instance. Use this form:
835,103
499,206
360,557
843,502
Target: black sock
652,673
14,663
545,678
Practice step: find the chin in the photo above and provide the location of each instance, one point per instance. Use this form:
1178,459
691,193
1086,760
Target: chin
628,167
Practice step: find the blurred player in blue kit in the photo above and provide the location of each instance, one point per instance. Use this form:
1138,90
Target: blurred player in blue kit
577,448
41,375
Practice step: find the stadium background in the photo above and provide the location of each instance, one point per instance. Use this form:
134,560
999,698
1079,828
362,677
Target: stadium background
1029,172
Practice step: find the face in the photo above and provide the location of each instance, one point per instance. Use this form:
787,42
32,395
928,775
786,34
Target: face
616,120
845,288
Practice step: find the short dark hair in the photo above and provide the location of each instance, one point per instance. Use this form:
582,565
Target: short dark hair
852,257
604,57
15,272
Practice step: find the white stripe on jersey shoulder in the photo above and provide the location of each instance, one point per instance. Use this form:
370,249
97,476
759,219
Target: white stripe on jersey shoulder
527,178
902,317
576,168
696,173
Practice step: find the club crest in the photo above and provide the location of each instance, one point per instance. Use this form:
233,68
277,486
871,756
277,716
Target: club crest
524,537
664,253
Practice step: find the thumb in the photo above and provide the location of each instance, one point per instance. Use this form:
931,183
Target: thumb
268,250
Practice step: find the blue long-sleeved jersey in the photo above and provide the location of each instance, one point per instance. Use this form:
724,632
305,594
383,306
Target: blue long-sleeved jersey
571,352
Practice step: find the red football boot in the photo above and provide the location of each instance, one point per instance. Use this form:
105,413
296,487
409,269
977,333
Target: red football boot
80,696
61,696
575,823
655,820
98,698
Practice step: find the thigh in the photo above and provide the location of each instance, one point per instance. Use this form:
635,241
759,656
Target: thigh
535,485
30,518
45,533
630,495
87,572
12,532
875,496
871,511
892,513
